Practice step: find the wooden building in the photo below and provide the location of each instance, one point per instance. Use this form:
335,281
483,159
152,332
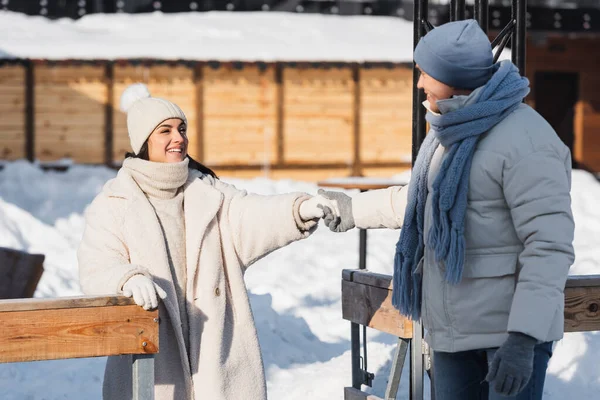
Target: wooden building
307,121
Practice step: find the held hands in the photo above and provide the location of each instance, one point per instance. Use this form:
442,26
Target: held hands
313,208
144,291
339,219
512,364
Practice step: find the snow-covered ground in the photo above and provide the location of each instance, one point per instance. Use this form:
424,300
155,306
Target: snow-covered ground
295,292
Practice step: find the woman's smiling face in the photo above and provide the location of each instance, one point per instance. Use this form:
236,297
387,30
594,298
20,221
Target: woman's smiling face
168,142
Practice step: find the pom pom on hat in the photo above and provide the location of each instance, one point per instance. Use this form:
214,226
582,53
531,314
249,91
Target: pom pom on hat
131,94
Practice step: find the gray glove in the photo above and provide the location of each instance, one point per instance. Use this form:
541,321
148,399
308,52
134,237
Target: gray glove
512,364
344,221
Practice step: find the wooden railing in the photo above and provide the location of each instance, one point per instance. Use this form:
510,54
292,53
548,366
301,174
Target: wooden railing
367,300
77,327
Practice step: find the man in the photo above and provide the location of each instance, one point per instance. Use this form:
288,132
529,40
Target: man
487,229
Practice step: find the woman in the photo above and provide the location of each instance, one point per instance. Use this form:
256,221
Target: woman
167,227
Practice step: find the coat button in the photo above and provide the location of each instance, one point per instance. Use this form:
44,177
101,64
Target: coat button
217,292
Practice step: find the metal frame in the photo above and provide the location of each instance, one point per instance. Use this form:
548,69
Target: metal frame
143,376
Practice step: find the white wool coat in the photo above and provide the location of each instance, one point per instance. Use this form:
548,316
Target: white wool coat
226,231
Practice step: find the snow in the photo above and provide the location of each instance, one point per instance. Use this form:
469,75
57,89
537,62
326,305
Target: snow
295,292
224,36
254,36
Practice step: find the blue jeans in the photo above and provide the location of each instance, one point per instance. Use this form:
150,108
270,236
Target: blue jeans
461,376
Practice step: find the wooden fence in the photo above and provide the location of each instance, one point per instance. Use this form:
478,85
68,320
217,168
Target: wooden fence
367,301
324,119
51,329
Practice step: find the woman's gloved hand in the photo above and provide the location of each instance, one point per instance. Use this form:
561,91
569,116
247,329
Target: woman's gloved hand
144,291
313,208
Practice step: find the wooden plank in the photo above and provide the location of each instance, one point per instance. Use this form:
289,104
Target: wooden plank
319,122
372,278
61,303
51,334
582,304
45,74
386,113
273,172
366,300
20,273
361,183
583,281
351,393
11,72
240,115
372,306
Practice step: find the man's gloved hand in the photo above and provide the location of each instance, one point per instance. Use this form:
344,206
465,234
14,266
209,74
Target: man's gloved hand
512,364
144,291
342,220
313,208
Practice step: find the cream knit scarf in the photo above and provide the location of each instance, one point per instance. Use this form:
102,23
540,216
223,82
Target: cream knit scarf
162,183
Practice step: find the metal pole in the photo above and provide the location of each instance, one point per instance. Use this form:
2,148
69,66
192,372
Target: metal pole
460,10
358,374
418,135
418,114
362,249
482,14
396,371
416,362
143,376
519,14
452,10
355,355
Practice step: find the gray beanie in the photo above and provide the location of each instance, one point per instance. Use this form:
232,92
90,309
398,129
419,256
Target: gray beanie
457,53
145,113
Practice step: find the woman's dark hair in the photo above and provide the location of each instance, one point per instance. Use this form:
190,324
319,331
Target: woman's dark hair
192,164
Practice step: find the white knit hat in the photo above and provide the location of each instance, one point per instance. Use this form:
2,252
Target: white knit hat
145,113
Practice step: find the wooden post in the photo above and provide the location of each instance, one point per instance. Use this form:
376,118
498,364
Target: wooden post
280,112
356,166
108,114
29,110
199,86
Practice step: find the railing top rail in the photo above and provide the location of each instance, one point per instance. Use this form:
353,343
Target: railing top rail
63,302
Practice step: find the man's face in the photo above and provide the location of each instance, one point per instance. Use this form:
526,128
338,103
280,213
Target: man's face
434,89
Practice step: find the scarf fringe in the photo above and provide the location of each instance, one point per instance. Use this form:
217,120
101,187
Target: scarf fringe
456,256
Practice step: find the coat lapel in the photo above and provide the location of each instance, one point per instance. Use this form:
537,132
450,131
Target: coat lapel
201,202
